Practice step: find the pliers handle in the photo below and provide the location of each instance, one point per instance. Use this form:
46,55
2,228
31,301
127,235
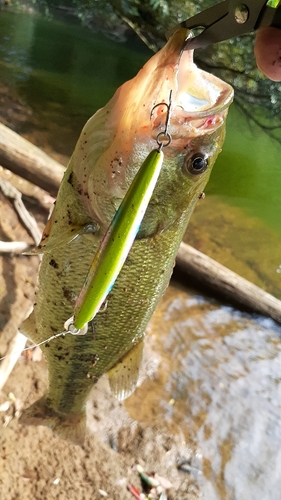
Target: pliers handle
229,19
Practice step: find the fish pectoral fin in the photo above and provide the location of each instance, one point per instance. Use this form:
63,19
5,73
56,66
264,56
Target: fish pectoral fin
123,377
45,236
69,427
63,238
28,327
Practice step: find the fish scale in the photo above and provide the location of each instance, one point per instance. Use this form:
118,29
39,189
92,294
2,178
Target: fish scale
121,135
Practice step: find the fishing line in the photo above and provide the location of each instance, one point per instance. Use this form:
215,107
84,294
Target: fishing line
34,345
69,328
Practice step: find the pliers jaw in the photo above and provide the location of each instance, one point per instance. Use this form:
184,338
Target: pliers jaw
229,19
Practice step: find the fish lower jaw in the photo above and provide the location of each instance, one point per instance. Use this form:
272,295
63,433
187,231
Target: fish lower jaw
185,127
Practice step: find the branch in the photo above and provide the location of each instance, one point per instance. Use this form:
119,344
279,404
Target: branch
267,128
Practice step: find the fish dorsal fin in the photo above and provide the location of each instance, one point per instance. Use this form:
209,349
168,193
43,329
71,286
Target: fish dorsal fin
123,377
28,327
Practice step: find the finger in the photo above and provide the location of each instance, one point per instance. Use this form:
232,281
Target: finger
268,52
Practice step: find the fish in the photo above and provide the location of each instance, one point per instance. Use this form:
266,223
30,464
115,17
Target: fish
112,146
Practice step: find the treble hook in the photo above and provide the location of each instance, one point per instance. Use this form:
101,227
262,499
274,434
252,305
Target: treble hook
165,135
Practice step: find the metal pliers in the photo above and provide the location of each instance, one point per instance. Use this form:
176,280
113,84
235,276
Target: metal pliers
229,19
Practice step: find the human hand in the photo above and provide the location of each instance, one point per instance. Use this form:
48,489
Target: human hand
268,52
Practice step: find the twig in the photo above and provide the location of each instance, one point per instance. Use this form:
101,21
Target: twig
138,32
27,219
13,246
12,355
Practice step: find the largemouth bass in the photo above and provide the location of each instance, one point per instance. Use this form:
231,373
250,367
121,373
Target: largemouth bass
112,147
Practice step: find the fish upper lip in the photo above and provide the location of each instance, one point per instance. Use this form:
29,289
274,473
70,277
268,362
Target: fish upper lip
200,85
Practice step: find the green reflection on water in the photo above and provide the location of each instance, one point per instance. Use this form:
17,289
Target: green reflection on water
55,62
248,171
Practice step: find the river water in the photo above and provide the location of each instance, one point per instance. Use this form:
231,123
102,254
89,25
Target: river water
213,372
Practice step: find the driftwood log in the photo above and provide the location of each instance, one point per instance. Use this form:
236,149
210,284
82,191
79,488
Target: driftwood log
28,161
226,283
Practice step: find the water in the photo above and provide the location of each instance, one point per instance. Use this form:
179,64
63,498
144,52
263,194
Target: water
214,378
213,373
62,72
248,171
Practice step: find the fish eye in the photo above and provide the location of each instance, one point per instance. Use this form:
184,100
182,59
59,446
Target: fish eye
196,164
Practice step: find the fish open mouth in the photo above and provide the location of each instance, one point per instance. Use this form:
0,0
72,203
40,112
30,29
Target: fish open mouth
200,94
199,99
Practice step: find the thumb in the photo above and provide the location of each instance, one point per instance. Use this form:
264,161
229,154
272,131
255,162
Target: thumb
268,52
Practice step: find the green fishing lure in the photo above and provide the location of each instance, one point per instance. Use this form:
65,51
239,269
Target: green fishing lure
117,241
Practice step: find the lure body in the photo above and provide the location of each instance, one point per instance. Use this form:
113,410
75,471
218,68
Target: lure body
113,146
117,241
